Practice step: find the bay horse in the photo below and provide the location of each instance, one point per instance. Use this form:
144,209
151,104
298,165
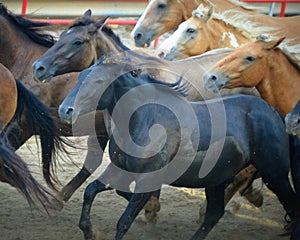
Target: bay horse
23,41
8,93
87,39
263,65
13,170
161,16
157,142
206,30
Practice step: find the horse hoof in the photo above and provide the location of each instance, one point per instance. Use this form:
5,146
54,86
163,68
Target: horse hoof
151,217
255,197
152,205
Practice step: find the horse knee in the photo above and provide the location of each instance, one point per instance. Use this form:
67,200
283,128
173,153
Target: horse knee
92,189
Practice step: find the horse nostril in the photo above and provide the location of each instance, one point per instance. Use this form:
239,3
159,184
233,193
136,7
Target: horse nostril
296,123
37,67
70,111
213,77
138,36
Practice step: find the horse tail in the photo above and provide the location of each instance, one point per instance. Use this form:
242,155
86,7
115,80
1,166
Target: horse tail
15,172
42,123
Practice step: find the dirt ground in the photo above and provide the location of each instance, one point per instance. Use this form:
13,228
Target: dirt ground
177,217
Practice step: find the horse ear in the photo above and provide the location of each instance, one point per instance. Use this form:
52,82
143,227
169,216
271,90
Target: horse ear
88,13
273,44
101,23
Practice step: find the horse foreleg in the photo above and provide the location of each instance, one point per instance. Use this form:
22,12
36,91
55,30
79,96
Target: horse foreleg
151,207
135,205
91,163
89,195
214,210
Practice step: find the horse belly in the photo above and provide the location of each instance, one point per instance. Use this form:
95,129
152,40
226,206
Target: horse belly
218,164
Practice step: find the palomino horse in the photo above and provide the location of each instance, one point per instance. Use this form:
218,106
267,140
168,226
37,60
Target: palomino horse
262,65
207,30
158,142
23,41
87,39
161,16
8,93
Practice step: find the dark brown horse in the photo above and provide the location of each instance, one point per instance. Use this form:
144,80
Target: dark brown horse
22,42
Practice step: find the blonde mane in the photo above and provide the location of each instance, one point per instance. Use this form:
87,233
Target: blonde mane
251,30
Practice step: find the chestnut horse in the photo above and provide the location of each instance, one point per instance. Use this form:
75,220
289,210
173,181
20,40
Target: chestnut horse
24,41
263,65
161,16
8,93
207,30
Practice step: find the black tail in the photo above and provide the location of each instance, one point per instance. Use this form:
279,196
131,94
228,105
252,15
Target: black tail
15,172
42,123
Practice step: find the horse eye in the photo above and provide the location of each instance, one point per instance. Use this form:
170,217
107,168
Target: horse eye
250,59
135,73
190,30
161,5
78,42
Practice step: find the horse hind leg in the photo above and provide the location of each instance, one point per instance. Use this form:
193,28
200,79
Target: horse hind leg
214,210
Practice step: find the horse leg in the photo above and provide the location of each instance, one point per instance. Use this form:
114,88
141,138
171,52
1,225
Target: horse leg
296,231
135,205
276,179
91,163
90,192
214,210
151,207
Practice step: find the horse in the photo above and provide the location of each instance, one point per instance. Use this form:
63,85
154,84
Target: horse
25,40
87,39
292,120
157,142
8,93
15,98
263,65
206,30
160,17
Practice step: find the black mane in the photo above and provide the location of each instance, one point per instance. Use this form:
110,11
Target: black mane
178,87
31,29
87,20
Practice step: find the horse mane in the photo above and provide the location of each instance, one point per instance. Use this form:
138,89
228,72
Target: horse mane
30,28
87,20
246,5
250,30
179,87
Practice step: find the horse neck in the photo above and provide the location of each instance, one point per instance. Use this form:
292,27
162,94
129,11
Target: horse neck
187,7
18,51
105,44
222,35
281,85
